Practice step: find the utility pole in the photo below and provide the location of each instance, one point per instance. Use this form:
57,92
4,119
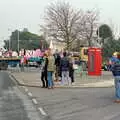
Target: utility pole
9,43
9,30
18,41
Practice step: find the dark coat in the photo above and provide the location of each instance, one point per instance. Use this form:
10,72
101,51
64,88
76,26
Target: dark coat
71,69
57,59
116,69
44,69
64,64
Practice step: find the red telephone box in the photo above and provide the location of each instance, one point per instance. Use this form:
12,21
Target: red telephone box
94,61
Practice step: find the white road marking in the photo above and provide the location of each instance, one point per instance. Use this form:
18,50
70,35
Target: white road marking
26,90
111,117
30,94
11,77
42,111
23,87
35,101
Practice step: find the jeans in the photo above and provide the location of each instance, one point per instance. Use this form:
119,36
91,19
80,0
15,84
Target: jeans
117,87
50,79
65,77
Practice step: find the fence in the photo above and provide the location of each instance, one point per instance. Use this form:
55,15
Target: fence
82,75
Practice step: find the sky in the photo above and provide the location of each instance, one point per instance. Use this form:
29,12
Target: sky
19,14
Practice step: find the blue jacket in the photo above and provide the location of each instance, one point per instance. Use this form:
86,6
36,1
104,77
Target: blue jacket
116,69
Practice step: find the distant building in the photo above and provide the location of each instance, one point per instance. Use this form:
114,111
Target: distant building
25,30
56,45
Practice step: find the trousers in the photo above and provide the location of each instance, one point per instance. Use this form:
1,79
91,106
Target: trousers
65,77
117,87
50,79
44,79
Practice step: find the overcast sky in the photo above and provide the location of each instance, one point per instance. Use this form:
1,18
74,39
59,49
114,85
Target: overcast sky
19,14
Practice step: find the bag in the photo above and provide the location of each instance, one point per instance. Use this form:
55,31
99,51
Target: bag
75,67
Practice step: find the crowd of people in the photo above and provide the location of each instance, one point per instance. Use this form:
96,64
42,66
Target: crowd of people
56,68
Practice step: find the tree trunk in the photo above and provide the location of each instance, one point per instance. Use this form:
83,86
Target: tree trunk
89,43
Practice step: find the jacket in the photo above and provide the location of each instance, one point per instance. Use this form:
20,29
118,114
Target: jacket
64,64
57,59
51,64
116,69
44,65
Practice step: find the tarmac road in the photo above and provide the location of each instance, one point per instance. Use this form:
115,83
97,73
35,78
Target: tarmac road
77,103
14,105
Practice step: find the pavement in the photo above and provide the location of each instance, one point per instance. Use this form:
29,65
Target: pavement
32,79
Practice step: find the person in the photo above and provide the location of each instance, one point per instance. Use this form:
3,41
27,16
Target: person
23,60
44,72
71,71
113,60
50,69
116,73
22,63
57,63
64,66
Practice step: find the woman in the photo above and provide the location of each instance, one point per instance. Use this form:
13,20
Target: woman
50,69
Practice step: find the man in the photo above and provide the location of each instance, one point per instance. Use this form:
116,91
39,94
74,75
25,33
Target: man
57,63
113,60
116,73
44,72
64,66
71,70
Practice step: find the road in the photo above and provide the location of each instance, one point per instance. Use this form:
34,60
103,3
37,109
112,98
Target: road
77,104
14,105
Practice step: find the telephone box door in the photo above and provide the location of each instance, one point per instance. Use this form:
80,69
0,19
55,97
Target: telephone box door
94,61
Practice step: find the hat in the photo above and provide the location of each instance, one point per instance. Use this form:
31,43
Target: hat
115,53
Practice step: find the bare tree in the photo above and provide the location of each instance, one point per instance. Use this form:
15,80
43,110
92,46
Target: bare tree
63,23
90,25
86,30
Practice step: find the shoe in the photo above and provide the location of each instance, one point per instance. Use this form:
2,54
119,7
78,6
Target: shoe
52,87
49,87
56,80
42,87
73,83
117,101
